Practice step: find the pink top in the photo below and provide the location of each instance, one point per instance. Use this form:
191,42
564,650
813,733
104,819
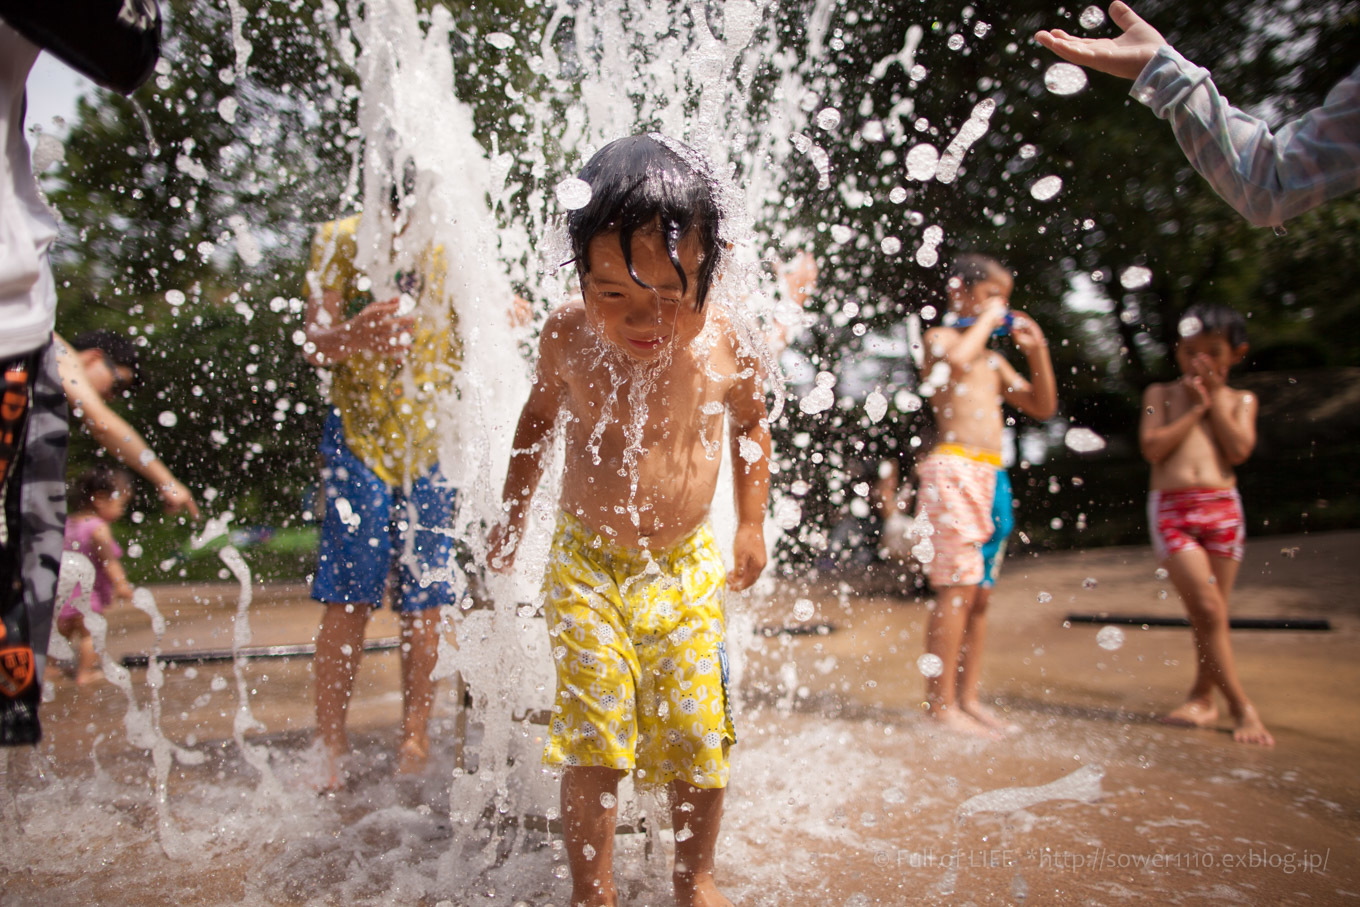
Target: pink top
80,538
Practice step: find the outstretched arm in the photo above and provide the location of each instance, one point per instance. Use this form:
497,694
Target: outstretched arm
1267,177
750,451
114,434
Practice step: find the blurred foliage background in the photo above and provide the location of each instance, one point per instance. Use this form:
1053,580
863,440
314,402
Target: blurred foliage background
187,212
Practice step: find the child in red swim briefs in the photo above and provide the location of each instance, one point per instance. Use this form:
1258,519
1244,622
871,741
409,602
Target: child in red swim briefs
1193,432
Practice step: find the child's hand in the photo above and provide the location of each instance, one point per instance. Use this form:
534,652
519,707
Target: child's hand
1026,333
1199,394
379,329
748,557
1124,56
501,542
122,592
1204,370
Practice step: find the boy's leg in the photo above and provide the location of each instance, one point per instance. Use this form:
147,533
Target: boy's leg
970,671
696,814
588,828
1204,584
419,652
339,644
945,631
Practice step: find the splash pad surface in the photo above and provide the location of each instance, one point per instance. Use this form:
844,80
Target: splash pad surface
841,792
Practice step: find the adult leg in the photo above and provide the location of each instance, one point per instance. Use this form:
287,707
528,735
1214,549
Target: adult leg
339,644
696,814
419,652
588,828
1204,584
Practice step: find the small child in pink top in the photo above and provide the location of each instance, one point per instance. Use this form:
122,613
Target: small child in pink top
102,497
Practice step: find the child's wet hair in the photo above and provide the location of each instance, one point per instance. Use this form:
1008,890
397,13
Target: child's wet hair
640,181
972,268
100,479
1213,318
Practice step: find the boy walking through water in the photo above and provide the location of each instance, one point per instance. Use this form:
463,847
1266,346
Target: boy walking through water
1193,432
964,492
639,375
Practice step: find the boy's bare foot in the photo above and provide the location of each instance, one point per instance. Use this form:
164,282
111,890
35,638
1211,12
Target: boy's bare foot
699,891
1192,713
1250,729
989,718
413,755
956,721
324,768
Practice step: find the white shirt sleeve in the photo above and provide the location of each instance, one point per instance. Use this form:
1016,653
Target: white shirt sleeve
1268,177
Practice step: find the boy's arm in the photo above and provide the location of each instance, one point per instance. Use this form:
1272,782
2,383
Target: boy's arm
1036,397
104,553
750,451
378,329
530,450
1232,417
1158,438
962,348
115,435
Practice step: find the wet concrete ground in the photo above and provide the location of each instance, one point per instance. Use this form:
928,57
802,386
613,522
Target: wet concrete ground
841,791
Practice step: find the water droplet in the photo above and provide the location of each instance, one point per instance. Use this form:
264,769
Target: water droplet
500,40
841,233
898,195
828,119
1065,79
226,109
588,852
560,871
875,406
1135,277
1110,638
608,800
1046,187
803,609
167,419
930,665
683,834
1089,583
955,42
1189,326
1161,573
981,29
1083,440
1091,17
787,513
573,193
922,161
1044,598
891,245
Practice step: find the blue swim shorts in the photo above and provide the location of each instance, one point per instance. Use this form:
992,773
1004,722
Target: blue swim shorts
1003,521
373,531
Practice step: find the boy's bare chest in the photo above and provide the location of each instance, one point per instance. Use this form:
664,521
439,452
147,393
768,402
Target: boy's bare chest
616,407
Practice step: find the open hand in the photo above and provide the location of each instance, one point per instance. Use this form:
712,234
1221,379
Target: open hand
1125,56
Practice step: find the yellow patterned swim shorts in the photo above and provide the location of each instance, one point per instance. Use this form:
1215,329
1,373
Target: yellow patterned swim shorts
638,643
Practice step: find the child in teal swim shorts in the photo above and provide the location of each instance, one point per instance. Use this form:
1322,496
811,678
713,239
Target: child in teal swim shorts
639,374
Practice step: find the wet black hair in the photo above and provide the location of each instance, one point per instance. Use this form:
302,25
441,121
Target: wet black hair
1215,318
120,350
972,268
100,479
643,180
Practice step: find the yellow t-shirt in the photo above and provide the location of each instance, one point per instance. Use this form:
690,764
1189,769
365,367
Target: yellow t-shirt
389,405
